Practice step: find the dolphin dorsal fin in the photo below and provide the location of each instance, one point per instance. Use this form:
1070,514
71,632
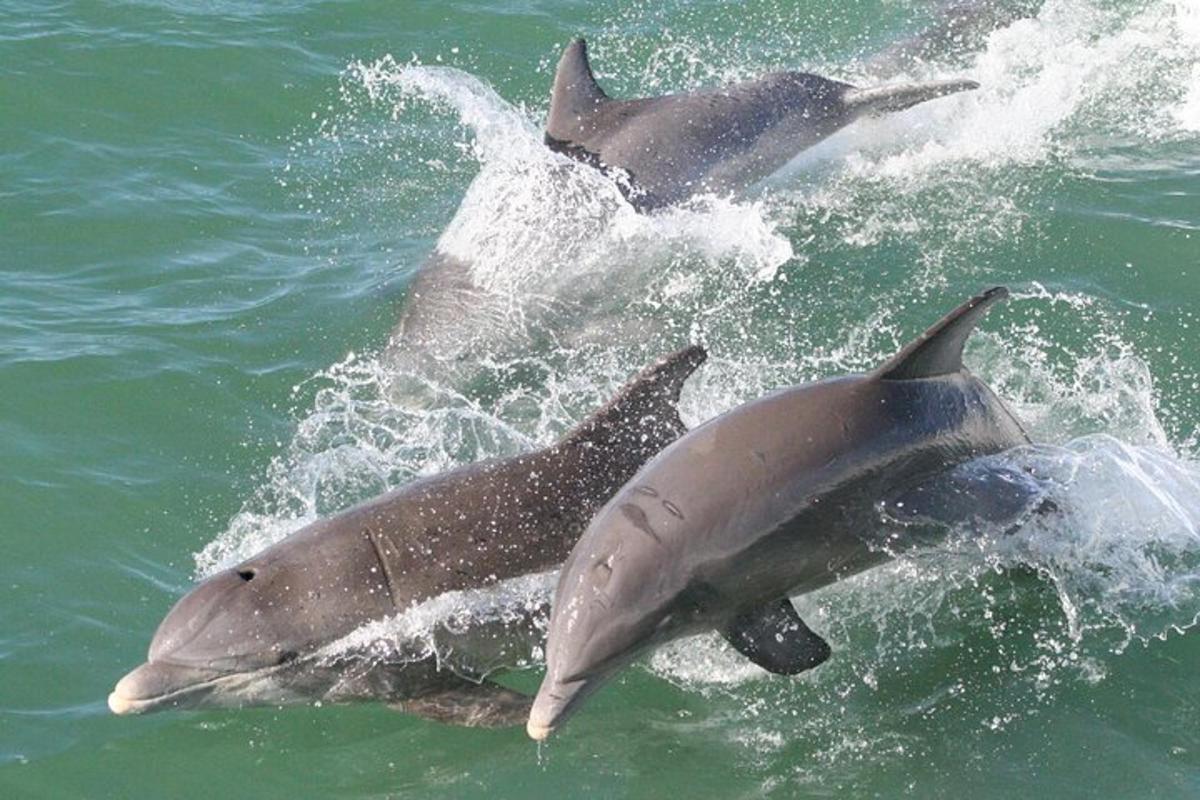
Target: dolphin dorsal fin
938,351
643,415
576,93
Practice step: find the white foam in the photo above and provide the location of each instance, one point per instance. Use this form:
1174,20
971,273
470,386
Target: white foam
475,631
1188,111
1187,23
1050,85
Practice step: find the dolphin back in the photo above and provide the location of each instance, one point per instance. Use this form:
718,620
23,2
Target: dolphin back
665,149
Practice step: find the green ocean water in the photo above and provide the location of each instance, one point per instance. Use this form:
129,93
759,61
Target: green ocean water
210,214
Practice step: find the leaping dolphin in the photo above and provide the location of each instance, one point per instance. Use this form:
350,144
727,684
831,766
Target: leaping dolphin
253,634
661,150
777,497
671,147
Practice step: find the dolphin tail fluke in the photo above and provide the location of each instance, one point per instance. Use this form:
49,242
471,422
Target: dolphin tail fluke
643,414
938,351
899,96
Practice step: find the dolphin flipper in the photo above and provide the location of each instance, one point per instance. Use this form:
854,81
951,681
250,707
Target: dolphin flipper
776,639
899,96
470,705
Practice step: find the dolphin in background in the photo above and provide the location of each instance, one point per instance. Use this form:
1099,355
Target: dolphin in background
661,151
254,634
666,149
780,496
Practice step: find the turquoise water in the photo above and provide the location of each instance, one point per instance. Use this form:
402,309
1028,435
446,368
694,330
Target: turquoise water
210,215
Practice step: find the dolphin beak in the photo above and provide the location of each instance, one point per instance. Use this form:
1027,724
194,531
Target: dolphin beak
539,733
555,702
158,684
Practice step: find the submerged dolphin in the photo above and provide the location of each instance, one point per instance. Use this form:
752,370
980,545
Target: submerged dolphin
253,634
779,496
722,140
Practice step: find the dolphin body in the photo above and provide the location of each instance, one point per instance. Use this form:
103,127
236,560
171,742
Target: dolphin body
668,148
253,634
780,496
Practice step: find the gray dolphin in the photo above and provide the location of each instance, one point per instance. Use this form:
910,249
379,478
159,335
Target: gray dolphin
722,140
253,634
779,496
661,150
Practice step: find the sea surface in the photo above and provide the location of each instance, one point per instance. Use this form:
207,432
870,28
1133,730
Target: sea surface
210,215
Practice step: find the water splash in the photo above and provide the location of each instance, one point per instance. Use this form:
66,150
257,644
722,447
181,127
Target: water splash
471,632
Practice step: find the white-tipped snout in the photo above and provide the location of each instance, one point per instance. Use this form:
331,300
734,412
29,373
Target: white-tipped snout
545,714
156,685
538,732
121,704
555,702
135,691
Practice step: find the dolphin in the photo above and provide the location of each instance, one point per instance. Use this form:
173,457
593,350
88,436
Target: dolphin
253,634
660,151
666,149
780,496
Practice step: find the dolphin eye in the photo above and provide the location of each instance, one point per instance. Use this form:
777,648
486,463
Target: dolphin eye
288,655
247,574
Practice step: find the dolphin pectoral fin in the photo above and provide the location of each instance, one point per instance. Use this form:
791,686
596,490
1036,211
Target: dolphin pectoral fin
899,96
776,639
470,705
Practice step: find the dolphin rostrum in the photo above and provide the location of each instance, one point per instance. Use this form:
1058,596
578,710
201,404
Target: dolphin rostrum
666,149
777,497
253,634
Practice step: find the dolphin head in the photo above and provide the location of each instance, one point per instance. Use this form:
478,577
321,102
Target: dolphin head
247,635
619,595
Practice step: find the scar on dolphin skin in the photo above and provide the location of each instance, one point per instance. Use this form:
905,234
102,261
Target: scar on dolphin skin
637,516
671,508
